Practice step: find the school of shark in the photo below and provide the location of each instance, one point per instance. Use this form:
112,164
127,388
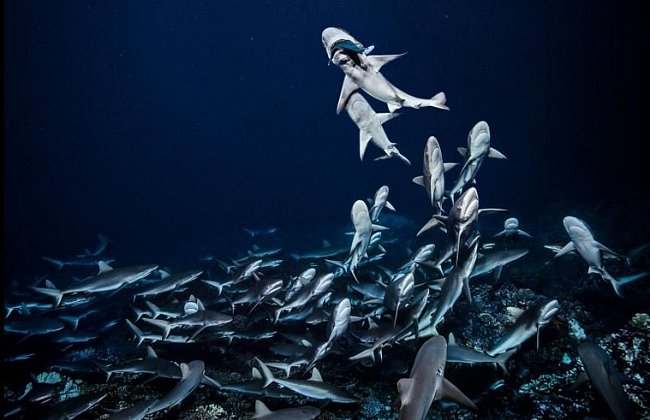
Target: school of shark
345,330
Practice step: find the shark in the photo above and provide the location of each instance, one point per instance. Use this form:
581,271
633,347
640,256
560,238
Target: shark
107,280
363,230
370,128
528,323
583,242
314,387
192,375
478,149
426,382
433,177
599,369
511,229
363,72
170,283
380,201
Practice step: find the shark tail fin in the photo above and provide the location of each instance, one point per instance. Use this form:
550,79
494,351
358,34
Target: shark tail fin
438,101
503,358
622,281
55,294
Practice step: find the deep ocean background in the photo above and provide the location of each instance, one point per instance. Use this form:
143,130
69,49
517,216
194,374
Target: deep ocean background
169,126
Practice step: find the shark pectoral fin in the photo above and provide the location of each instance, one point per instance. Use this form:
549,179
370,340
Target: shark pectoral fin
404,387
462,151
389,206
379,228
419,180
394,106
497,272
491,210
349,86
261,410
580,380
451,340
449,391
364,139
151,353
522,233
386,116
494,153
603,248
377,61
468,293
570,247
430,225
449,165
103,267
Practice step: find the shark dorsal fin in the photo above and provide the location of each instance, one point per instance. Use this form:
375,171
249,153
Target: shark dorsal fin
261,409
315,376
24,311
404,386
185,370
200,305
326,243
49,284
163,274
448,391
514,312
151,353
103,267
451,341
372,324
462,151
255,373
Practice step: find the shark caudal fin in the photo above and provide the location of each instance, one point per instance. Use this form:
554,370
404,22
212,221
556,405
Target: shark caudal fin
267,376
438,101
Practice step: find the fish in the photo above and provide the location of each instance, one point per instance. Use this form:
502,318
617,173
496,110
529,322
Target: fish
202,319
313,388
427,383
582,241
380,201
192,375
297,413
528,323
362,71
600,371
363,230
433,178
370,128
455,283
399,292
72,407
170,283
495,261
261,231
107,280
511,228
478,149
316,288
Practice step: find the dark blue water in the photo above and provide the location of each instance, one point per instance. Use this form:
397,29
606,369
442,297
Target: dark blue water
170,126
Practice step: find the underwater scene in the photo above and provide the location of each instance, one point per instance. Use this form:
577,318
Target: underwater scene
325,210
